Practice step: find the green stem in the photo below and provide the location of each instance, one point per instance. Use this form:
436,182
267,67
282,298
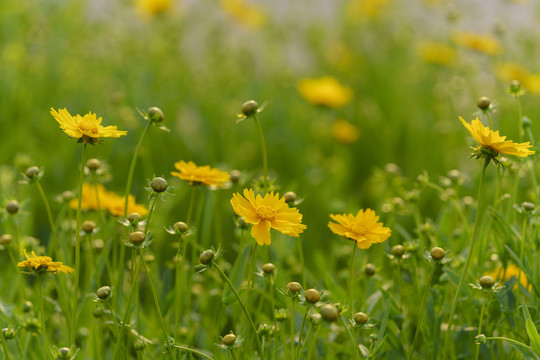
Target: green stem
292,328
351,278
5,346
233,354
190,206
351,337
305,341
193,351
115,320
77,252
244,309
302,261
300,334
477,220
51,221
512,341
480,323
357,340
156,303
127,311
489,119
264,154
42,310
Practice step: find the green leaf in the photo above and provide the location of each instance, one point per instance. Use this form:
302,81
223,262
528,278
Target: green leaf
534,337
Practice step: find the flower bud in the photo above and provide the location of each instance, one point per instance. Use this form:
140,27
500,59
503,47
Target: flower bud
27,306
139,345
437,253
64,353
289,196
235,176
369,270
483,103
398,251
281,314
5,239
525,121
32,172
527,206
264,330
180,227
206,257
294,287
98,245
229,339
250,108
12,207
88,226
134,216
98,312
487,282
103,292
361,318
67,195
315,319
329,312
312,296
268,268
159,184
9,333
480,339
515,87
93,164
137,237
155,114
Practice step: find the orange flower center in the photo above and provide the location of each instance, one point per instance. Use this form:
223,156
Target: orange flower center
265,213
88,127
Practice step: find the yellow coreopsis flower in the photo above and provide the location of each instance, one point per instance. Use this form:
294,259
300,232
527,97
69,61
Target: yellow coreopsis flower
364,228
326,91
87,128
108,200
345,132
40,264
482,43
491,143
249,15
188,171
505,274
436,53
150,8
270,212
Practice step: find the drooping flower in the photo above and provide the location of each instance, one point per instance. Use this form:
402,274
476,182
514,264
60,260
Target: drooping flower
270,212
188,171
41,264
87,128
326,91
482,43
108,200
491,143
364,228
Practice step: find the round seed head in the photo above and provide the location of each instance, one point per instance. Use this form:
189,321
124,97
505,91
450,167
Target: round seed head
487,282
268,268
155,114
250,108
437,253
294,287
206,257
289,196
329,312
398,251
5,239
229,339
12,207
103,292
235,176
93,164
312,296
483,103
32,172
159,184
180,226
137,237
361,318
88,226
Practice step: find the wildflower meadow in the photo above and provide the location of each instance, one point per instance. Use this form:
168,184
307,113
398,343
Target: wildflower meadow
248,179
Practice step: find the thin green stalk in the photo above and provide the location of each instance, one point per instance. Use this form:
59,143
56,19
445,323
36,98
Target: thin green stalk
42,310
314,343
476,231
250,273
422,310
190,206
489,119
351,279
5,346
77,252
233,354
480,323
264,154
300,334
305,341
353,341
193,351
531,167
522,249
244,309
292,327
356,338
156,303
302,261
54,248
178,284
510,340
115,320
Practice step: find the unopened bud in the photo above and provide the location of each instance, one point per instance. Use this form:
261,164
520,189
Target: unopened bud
159,184
155,114
137,237
294,287
206,257
32,172
289,196
180,227
369,270
361,318
268,268
437,253
312,296
88,226
103,292
12,207
93,164
487,282
229,339
250,108
329,312
398,251
483,103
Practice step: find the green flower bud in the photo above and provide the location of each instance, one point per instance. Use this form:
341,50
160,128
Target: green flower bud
103,292
294,287
483,103
180,227
88,226
268,268
155,114
32,172
369,270
329,312
437,253
229,339
487,282
289,196
398,251
527,206
250,108
206,257
93,164
361,318
12,207
312,296
235,176
5,239
137,237
159,184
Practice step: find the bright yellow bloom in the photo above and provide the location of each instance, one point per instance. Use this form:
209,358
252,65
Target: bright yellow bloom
200,174
512,71
43,264
87,128
249,15
151,8
345,132
488,138
325,91
369,9
363,228
436,53
505,274
482,43
108,200
266,213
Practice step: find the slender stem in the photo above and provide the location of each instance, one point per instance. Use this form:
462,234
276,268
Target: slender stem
351,337
194,351
292,328
510,340
305,341
50,217
233,353
357,340
422,310
302,261
351,278
190,206
250,273
42,310
300,334
480,323
244,309
476,231
489,119
264,154
77,252
156,303
5,346
115,320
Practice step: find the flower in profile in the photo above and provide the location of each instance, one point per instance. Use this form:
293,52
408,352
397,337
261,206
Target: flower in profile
108,200
436,53
511,271
188,171
363,228
491,143
42,264
87,128
326,91
345,132
482,43
266,213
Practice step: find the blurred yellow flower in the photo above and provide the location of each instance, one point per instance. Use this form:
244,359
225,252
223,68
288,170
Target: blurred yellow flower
345,132
249,15
41,264
436,53
270,212
108,200
482,43
507,72
505,274
488,138
151,8
325,91
368,9
363,228
200,174
87,128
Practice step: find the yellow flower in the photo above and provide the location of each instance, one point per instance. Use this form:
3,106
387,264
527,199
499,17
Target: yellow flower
482,43
200,174
436,53
108,200
345,132
325,91
489,139
43,264
363,228
512,71
369,9
266,213
505,274
151,8
249,15
87,128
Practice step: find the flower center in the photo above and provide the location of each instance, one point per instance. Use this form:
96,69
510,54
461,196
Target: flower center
87,126
265,213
